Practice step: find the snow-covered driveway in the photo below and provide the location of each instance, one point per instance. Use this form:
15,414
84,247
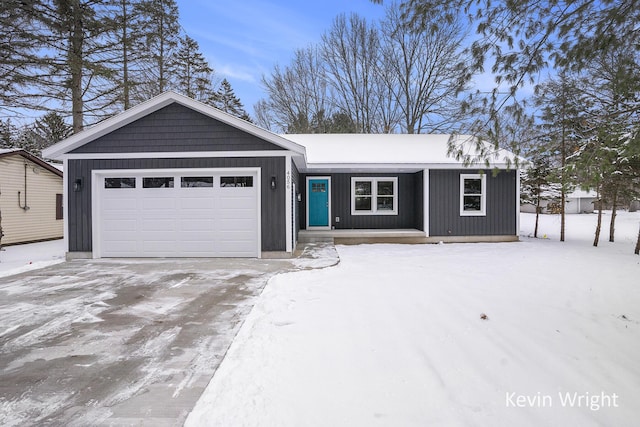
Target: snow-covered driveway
536,333
120,342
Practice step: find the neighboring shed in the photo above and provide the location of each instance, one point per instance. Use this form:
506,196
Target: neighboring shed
30,198
581,201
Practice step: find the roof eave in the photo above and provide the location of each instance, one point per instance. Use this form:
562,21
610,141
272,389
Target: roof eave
57,151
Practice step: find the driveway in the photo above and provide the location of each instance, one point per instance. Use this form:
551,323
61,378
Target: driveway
123,342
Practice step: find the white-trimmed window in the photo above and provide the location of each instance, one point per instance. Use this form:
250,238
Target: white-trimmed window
374,196
473,195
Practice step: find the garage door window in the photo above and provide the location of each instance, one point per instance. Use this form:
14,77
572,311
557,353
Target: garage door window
119,183
196,181
236,181
162,182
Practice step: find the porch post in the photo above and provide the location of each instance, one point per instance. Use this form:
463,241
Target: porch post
425,201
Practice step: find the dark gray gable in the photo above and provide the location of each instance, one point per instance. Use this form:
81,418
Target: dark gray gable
176,128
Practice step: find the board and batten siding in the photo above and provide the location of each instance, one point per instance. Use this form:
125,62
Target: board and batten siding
410,197
175,128
444,205
272,201
39,221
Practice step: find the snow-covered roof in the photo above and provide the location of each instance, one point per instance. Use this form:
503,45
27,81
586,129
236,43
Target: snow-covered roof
393,151
8,150
582,194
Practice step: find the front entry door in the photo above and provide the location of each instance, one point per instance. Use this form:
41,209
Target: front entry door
318,196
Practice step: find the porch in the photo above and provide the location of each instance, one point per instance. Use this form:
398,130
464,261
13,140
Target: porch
408,236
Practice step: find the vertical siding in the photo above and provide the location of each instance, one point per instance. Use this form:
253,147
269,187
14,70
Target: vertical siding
409,203
39,222
175,128
272,206
444,205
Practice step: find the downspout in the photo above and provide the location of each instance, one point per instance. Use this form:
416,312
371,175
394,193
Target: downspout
25,207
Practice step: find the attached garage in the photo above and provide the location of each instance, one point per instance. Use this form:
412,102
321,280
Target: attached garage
176,213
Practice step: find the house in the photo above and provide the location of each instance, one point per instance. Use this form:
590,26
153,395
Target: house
576,202
173,177
580,201
30,198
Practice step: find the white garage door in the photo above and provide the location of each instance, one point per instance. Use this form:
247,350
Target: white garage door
177,213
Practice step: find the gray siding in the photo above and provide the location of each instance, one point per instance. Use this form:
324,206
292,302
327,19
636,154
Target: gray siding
297,206
273,201
175,128
444,205
409,203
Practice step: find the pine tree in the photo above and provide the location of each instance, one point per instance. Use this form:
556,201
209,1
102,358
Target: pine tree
191,70
537,185
227,101
159,21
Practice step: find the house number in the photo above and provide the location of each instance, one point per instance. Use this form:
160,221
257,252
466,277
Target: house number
288,180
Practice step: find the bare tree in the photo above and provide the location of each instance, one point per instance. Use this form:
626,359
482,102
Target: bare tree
429,70
297,94
352,56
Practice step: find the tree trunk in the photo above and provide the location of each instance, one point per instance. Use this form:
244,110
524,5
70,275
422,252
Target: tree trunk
76,42
637,251
535,230
563,200
125,57
597,236
614,209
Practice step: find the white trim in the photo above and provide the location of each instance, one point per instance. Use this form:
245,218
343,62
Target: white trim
177,154
329,222
96,180
517,202
287,203
394,167
374,195
425,201
483,196
65,203
145,108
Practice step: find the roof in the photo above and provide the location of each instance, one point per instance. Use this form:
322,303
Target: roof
582,194
6,152
58,151
393,151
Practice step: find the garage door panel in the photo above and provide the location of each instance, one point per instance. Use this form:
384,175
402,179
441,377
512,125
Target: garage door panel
159,225
120,225
180,221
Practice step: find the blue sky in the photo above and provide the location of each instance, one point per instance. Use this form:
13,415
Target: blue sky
244,39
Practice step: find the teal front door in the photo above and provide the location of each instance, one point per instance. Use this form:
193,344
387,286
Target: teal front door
318,194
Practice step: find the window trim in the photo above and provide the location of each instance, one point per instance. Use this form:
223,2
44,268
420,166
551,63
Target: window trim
483,195
374,195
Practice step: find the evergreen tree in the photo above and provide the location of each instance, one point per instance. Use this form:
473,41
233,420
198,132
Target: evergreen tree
159,22
191,71
227,101
537,185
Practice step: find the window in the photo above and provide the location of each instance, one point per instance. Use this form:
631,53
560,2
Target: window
236,181
473,194
374,196
161,182
59,208
119,183
196,181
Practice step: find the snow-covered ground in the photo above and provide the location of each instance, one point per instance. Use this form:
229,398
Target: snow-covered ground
535,333
20,258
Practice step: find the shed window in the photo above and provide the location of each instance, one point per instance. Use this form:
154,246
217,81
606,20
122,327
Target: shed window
473,195
374,196
59,207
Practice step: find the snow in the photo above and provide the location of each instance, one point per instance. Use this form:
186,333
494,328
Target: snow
531,333
20,258
363,149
